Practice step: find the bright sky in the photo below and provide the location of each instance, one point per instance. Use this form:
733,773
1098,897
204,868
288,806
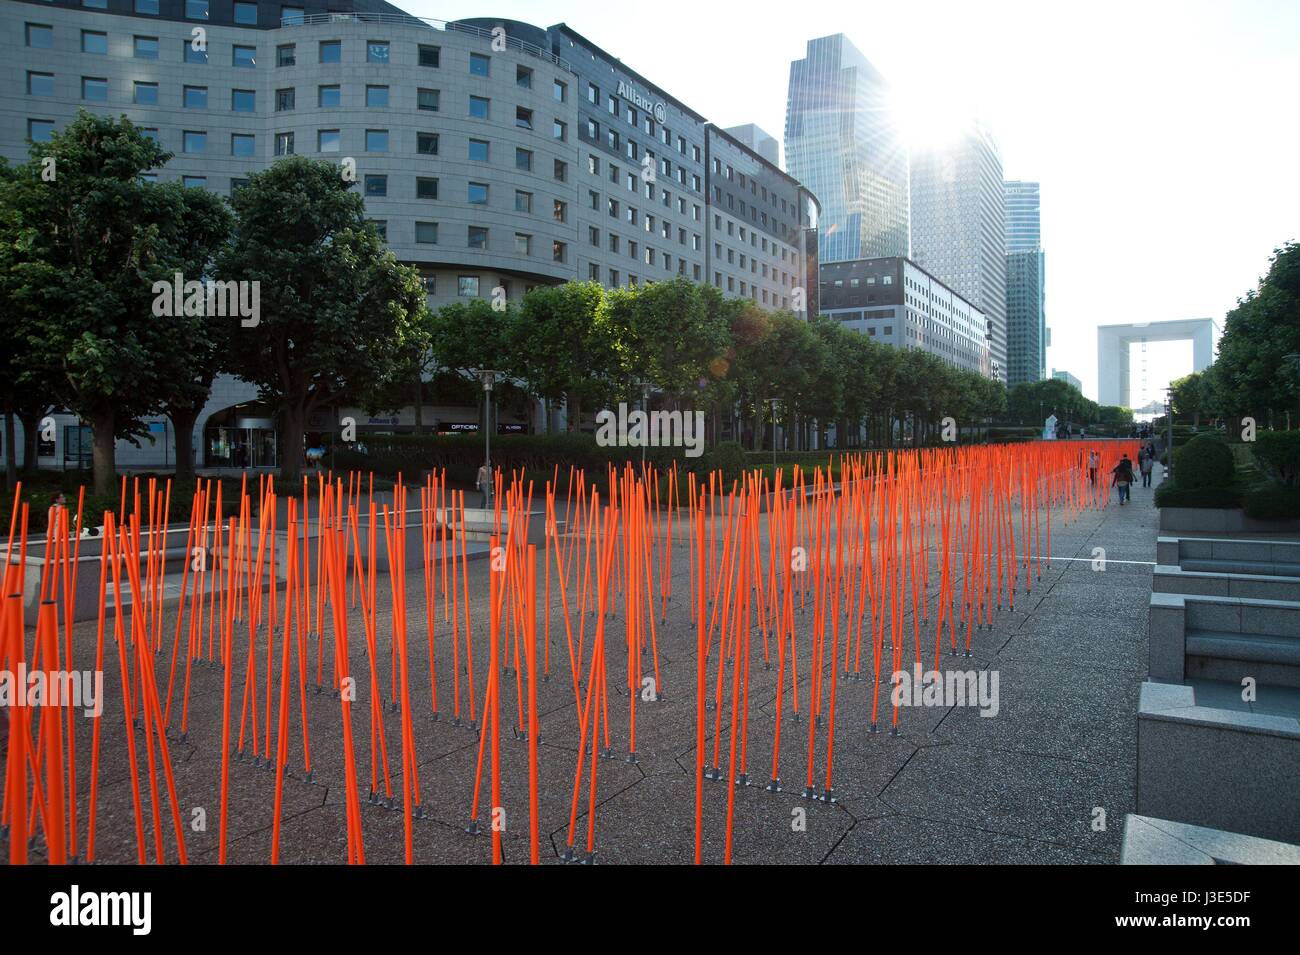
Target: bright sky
1163,133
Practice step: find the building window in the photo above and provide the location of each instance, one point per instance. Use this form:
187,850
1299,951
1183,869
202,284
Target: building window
376,185
145,48
559,91
196,9
147,8
426,233
377,51
478,237
331,51
560,211
467,286
478,193
524,159
42,84
523,201
478,150
244,57
426,188
478,107
194,182
246,13
613,242
593,236
284,144
430,55
195,97
523,77
285,100
480,64
559,130
376,140
40,36
93,41
523,244
285,55
40,130
327,96
145,94
242,144
426,144
559,251
523,118
427,100
593,165
193,54
376,97
193,141
381,228
327,140
292,16
94,89
613,278
561,170
243,101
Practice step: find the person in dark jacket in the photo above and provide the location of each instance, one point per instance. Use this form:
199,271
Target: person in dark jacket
1123,478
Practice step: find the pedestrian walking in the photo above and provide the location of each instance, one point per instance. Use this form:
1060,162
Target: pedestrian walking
1145,463
1094,460
1123,478
484,483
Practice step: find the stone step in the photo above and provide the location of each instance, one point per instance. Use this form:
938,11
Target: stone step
1219,566
1233,657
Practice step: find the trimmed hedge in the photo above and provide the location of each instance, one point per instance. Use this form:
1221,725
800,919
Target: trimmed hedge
37,495
1203,462
1278,455
1170,494
1272,502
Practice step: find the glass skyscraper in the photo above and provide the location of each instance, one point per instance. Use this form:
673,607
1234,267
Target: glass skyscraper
959,228
1024,233
1026,297
843,142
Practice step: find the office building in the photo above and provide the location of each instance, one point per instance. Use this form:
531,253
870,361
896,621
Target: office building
959,230
1062,375
759,140
1024,225
896,302
491,154
843,142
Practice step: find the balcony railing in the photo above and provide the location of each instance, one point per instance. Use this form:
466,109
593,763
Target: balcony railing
445,26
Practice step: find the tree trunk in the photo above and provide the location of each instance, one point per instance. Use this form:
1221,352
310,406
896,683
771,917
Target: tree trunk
102,425
295,423
183,424
31,440
573,412
11,453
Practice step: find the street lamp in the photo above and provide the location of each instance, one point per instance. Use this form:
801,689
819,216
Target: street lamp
644,387
488,376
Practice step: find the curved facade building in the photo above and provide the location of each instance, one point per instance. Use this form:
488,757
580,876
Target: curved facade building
493,155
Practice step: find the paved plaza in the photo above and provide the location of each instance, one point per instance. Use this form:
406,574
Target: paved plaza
1048,779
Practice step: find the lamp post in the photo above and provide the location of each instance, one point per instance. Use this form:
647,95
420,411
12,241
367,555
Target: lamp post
488,376
644,388
1169,430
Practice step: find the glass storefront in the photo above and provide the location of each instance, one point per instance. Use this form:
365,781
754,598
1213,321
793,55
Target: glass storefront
243,436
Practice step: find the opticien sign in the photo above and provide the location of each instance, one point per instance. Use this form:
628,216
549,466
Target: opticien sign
636,99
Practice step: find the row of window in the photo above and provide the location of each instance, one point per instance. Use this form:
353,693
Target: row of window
245,11
41,36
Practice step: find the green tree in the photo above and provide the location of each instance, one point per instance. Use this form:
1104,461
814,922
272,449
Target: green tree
562,346
339,314
85,238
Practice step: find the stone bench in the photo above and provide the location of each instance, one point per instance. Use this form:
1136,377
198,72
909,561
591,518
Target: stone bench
1151,841
1205,757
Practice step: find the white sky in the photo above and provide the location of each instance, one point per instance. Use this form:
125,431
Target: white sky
1164,133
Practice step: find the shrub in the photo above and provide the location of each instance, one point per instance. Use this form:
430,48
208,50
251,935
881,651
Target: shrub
728,457
1171,494
1203,462
1278,455
1273,502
